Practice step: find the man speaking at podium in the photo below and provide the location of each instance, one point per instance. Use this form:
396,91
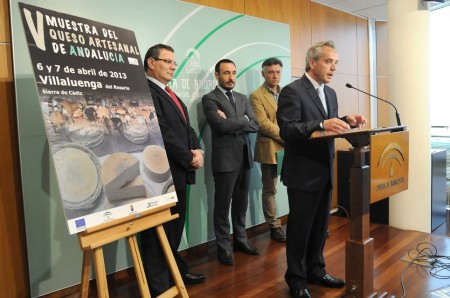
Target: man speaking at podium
304,106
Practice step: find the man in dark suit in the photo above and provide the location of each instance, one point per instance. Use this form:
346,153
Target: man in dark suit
308,166
185,156
231,120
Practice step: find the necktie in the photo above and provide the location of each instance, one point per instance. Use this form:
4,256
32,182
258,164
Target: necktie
231,99
177,102
322,97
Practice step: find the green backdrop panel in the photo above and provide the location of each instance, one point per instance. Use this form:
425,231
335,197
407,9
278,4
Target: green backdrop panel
200,36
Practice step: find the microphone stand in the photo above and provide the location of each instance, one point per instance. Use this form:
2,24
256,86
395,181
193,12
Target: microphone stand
397,115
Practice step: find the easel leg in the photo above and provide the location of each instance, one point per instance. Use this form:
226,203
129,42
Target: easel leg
138,267
85,270
100,273
171,261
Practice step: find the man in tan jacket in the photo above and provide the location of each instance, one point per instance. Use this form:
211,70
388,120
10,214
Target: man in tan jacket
264,102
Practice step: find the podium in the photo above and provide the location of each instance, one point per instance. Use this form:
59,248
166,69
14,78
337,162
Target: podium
386,175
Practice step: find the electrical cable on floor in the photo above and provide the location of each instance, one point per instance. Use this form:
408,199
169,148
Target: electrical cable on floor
345,211
426,253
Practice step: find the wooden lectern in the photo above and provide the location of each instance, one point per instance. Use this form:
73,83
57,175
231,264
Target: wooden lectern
386,175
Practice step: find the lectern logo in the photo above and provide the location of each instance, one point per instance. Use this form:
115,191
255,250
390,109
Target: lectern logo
391,155
389,160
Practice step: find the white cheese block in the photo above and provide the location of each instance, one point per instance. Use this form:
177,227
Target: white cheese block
134,189
119,175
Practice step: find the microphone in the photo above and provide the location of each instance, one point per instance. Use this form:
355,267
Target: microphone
397,115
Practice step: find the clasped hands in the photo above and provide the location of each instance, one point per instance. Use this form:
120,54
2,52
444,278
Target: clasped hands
197,159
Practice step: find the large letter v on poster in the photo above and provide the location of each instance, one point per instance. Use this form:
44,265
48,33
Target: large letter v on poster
38,35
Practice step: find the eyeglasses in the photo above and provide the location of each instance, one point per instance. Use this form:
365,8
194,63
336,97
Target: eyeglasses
167,61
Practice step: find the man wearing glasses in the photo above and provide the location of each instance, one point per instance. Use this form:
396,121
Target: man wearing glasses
185,156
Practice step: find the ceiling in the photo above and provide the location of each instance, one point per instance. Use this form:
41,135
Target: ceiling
374,9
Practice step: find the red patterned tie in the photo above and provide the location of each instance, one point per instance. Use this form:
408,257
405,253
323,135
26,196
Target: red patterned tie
177,102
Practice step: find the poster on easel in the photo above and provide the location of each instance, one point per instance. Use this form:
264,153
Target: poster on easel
99,117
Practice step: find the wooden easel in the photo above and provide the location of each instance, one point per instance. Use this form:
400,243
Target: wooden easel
93,239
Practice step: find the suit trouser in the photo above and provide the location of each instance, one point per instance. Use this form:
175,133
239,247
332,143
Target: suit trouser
156,268
306,233
269,180
231,188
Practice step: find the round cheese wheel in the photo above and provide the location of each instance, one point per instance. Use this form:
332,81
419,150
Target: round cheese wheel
78,173
156,164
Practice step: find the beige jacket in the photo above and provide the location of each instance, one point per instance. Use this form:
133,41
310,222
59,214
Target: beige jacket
268,140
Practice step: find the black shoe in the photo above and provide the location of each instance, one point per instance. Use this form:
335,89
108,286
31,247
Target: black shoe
327,281
245,248
193,278
225,257
278,234
300,293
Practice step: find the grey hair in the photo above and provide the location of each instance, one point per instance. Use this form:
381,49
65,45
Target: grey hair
315,51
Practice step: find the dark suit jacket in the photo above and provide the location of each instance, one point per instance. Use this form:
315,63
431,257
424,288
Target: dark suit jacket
178,136
229,135
307,164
